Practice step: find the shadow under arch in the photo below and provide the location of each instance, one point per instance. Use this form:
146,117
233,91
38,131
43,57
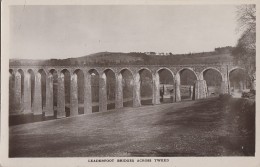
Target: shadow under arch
239,81
42,74
109,77
78,81
213,69
166,82
146,86
66,78
32,86
53,77
11,90
184,83
21,76
93,75
126,76
213,78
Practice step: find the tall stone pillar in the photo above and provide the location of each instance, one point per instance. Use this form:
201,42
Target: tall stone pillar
17,93
224,87
156,89
102,93
74,95
49,95
37,102
173,91
119,91
87,93
136,91
177,87
27,93
191,92
61,97
200,89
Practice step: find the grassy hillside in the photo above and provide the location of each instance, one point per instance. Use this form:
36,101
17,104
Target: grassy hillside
220,55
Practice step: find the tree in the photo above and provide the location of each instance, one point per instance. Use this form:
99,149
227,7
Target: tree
245,51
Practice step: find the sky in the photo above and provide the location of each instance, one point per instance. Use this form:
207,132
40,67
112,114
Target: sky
44,32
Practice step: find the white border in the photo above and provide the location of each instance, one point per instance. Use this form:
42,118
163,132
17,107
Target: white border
80,162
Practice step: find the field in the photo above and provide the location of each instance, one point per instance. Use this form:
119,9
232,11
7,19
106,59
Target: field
191,128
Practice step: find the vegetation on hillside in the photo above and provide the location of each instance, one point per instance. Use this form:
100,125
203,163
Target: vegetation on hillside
220,55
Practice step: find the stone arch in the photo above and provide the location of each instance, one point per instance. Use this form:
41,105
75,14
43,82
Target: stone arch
42,76
164,85
187,68
212,68
239,81
236,68
52,71
42,71
125,88
126,69
146,85
22,73
108,85
31,74
93,70
11,90
77,92
144,68
66,79
165,68
107,69
19,90
92,88
214,81
11,71
52,93
184,89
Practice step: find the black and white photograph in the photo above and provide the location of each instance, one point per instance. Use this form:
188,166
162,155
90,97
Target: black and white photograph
131,84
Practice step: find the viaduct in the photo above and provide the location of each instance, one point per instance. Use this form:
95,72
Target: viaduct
22,103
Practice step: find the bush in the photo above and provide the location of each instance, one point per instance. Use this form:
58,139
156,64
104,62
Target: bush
246,113
250,95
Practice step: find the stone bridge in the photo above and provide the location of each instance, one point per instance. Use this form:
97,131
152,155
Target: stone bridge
21,93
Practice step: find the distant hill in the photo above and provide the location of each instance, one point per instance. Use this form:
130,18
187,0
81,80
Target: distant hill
220,55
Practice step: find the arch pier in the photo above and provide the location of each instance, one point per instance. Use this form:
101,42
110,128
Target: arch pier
63,91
